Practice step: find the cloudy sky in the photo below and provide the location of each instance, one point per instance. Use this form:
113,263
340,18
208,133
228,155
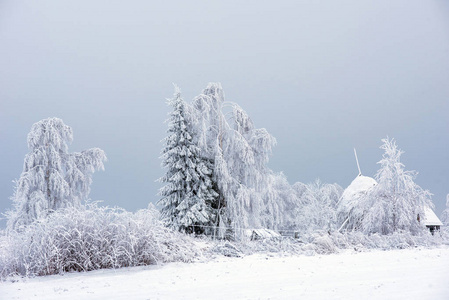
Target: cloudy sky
322,76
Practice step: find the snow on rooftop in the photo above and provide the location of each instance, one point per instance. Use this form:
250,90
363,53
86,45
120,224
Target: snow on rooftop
430,218
358,187
261,233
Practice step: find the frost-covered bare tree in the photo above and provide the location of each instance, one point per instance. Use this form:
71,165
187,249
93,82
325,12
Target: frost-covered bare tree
52,178
445,214
396,202
188,198
327,196
316,206
240,154
280,203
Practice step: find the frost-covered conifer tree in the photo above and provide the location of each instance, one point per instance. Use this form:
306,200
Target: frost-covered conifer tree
188,198
396,202
52,178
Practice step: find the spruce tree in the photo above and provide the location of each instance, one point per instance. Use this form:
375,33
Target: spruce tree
189,194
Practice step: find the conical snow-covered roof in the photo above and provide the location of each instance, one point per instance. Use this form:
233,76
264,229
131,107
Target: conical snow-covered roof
358,188
352,199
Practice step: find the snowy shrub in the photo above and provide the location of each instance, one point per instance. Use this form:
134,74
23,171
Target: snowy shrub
90,238
396,240
443,234
284,246
324,244
227,249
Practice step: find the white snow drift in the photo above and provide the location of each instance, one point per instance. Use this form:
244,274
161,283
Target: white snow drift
398,274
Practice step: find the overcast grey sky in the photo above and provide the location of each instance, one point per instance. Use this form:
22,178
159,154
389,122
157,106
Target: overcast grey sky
321,76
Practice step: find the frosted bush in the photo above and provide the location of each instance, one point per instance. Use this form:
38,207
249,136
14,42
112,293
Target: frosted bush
227,249
397,240
90,238
324,244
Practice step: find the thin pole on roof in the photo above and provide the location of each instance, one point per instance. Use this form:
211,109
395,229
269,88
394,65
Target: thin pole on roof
357,160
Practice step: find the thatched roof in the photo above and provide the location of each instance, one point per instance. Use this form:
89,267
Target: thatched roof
358,188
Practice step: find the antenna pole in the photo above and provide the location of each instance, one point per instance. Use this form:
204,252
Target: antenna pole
357,160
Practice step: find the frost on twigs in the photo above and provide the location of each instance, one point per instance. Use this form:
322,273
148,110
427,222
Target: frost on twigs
239,152
323,242
227,249
445,214
391,203
91,238
52,178
396,202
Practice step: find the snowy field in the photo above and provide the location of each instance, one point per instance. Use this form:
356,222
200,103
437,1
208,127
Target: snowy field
397,274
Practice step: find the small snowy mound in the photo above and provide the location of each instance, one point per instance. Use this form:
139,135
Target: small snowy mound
227,249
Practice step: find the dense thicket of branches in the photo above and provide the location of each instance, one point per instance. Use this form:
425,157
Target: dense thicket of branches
396,202
240,153
52,178
90,237
445,214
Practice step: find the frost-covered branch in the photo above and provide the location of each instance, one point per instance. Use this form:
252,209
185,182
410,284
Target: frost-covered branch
52,178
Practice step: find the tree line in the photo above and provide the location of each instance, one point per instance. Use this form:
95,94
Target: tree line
217,181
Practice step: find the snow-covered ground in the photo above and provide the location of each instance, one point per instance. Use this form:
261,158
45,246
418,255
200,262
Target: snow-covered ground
397,274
